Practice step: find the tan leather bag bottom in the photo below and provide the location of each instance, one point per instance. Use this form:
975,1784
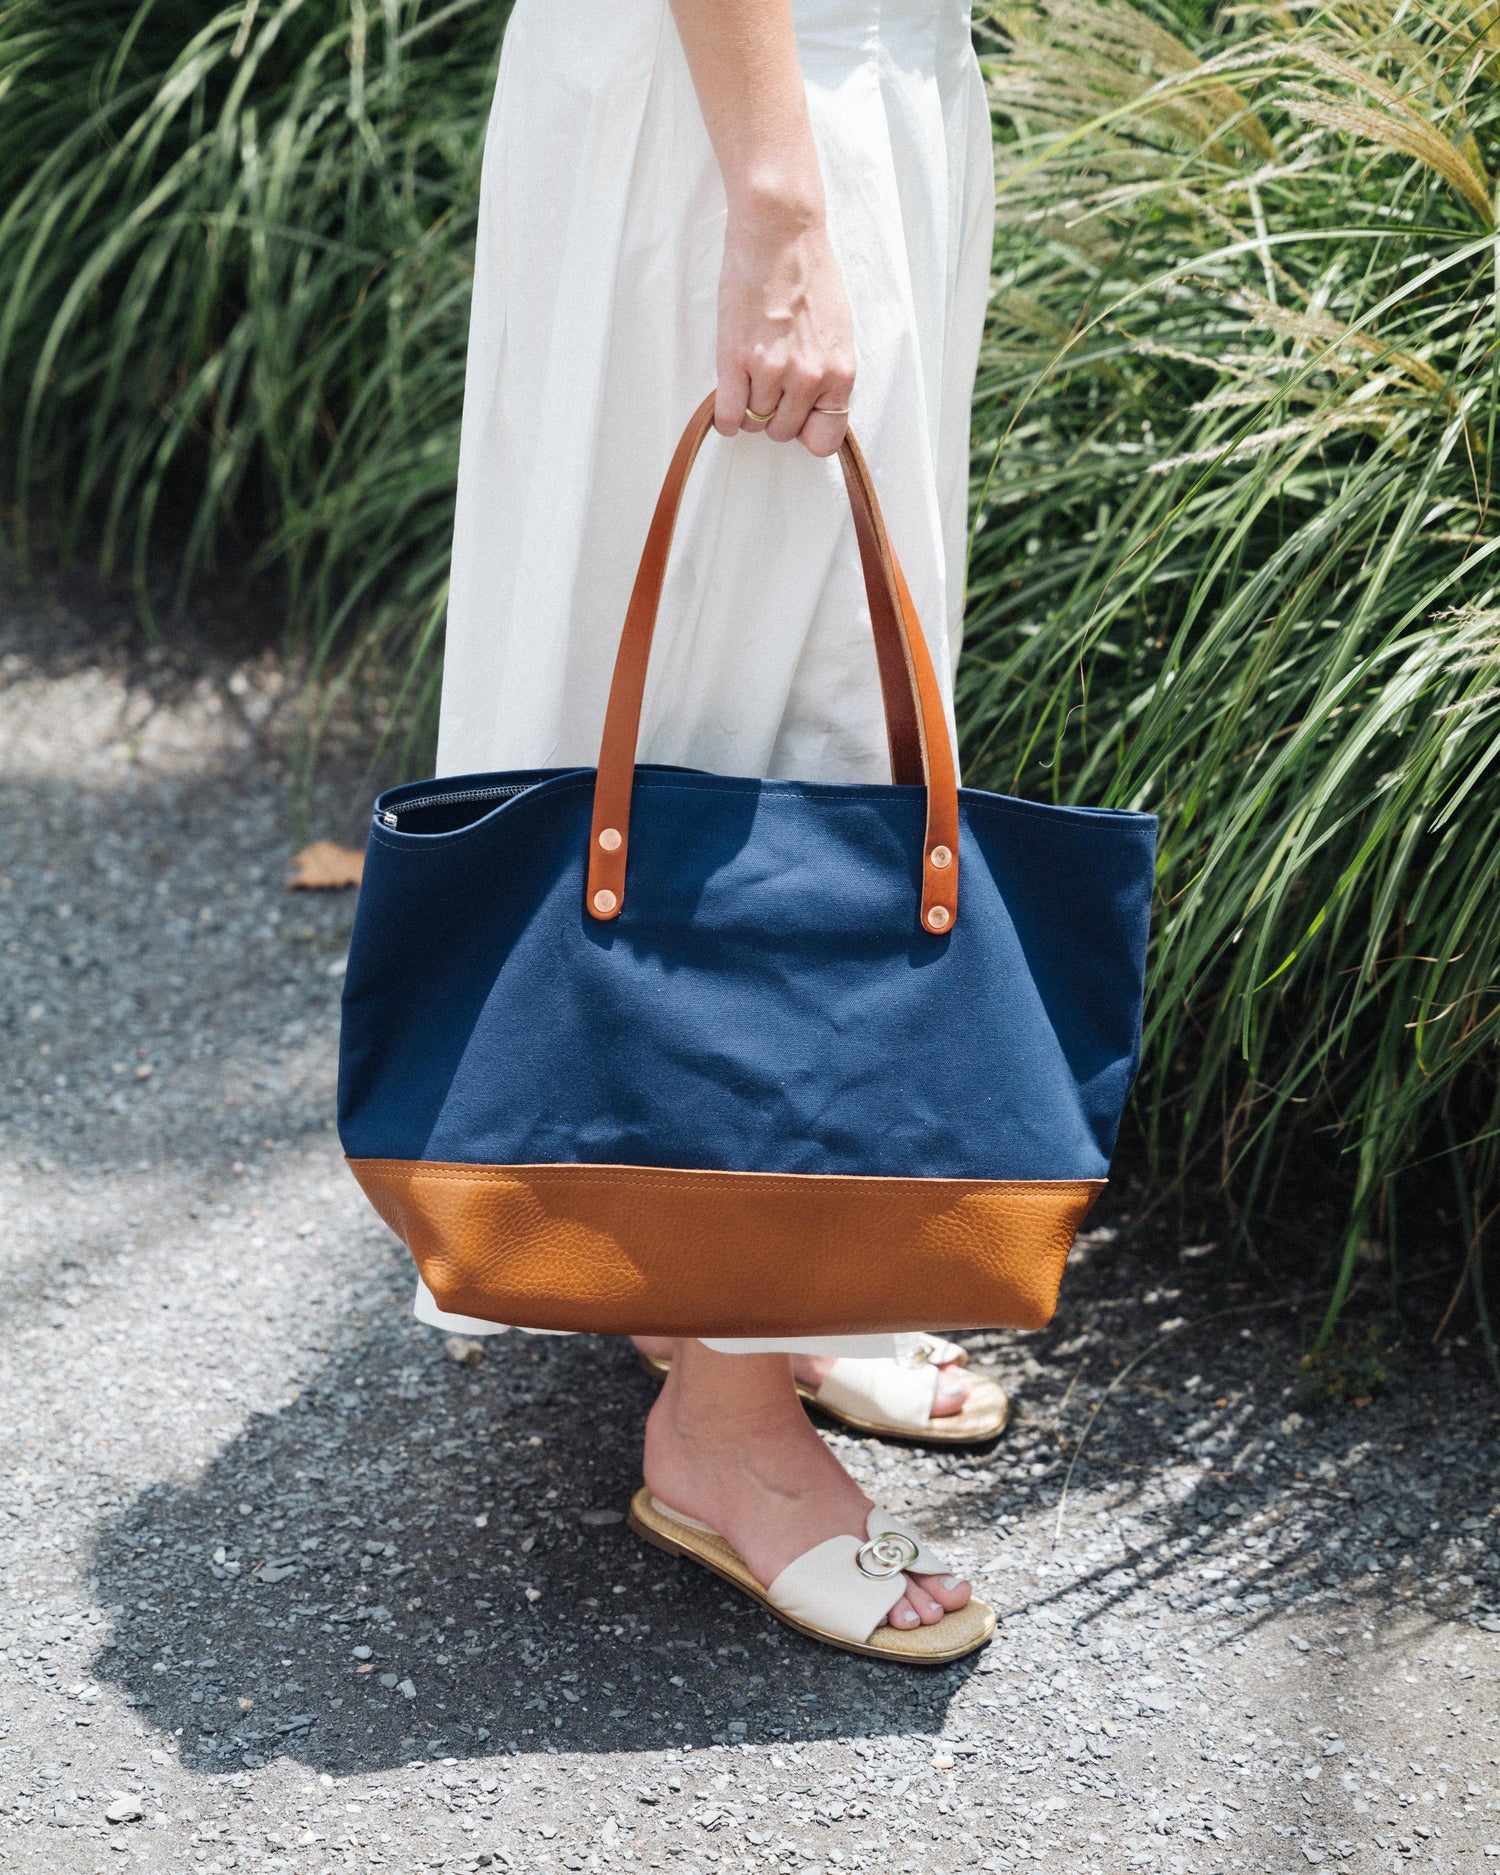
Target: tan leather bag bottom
619,1249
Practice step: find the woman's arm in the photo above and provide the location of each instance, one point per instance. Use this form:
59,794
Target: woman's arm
786,336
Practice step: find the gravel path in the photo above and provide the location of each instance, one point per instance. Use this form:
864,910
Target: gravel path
285,1587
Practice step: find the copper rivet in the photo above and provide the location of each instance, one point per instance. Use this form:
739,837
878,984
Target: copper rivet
606,902
609,839
938,917
941,856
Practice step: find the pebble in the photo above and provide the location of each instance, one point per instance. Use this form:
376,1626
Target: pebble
466,1352
125,1810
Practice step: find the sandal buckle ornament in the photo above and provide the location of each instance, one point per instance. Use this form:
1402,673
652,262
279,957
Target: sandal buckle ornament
886,1555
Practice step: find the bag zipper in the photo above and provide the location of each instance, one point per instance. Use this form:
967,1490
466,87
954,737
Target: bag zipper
388,817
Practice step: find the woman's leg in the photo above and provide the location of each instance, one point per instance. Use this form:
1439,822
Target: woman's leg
953,1387
728,1442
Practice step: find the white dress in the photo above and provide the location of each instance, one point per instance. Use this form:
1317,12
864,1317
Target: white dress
592,339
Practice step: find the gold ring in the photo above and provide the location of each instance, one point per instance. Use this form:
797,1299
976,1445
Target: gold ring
830,410
756,417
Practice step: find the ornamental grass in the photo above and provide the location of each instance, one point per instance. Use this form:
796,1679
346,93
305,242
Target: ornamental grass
1235,560
236,252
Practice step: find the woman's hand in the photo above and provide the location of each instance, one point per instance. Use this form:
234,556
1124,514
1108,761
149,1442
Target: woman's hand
786,337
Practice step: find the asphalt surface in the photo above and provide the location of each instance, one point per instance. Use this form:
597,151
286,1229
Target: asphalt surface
285,1587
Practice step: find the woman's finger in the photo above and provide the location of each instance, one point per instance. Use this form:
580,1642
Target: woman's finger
763,400
798,390
824,431
730,395
828,421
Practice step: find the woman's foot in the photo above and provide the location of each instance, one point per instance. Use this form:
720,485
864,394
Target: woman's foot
954,1383
727,1442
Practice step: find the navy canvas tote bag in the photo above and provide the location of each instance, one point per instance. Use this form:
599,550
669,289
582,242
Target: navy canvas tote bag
648,1050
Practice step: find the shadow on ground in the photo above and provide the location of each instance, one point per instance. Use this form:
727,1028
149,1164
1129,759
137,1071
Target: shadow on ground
416,1557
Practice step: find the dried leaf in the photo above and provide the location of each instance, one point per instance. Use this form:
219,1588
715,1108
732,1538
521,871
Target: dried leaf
325,866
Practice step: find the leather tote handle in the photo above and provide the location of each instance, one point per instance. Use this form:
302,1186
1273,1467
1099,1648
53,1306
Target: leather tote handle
915,724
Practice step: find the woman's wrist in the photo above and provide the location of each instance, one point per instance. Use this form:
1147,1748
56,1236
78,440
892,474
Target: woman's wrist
772,203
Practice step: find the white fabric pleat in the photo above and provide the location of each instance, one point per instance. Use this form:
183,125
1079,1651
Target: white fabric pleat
592,339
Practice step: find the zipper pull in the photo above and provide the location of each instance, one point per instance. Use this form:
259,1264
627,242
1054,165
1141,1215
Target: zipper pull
388,818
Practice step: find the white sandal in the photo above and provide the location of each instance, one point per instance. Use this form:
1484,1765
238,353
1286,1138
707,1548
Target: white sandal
839,1591
893,1397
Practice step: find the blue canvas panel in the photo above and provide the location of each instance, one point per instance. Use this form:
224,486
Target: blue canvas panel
766,1000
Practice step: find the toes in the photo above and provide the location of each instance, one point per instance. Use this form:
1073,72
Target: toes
927,1600
953,1388
946,1593
927,1609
